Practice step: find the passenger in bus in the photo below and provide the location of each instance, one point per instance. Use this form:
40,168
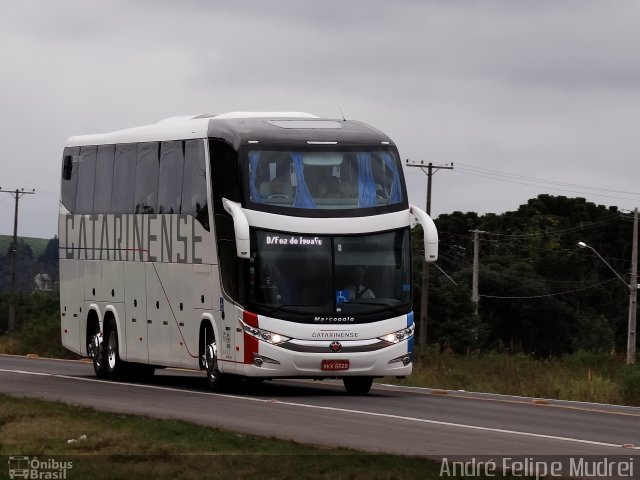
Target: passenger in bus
279,187
356,289
335,188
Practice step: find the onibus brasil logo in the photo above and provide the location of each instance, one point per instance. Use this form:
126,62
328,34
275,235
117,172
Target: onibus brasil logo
33,468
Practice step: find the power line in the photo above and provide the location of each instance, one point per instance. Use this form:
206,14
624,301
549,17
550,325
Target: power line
555,231
506,175
549,294
549,184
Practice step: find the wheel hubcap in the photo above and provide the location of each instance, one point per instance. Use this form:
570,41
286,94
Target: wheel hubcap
112,350
210,360
94,348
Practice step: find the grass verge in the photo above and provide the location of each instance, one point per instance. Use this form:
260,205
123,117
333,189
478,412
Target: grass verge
584,376
101,445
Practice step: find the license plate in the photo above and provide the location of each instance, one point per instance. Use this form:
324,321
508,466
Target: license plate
333,365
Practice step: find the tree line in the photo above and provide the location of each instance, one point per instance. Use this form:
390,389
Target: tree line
539,292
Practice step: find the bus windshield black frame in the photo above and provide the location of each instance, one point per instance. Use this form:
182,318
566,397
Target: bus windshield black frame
302,277
323,181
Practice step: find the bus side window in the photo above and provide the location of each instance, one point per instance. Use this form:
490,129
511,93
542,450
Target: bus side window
147,173
67,167
69,178
194,185
124,177
104,179
86,179
171,171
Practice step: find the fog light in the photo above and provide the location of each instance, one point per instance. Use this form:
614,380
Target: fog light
259,360
404,359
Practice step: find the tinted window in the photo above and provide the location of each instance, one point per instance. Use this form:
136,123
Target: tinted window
324,179
194,191
355,274
225,184
104,179
147,171
70,161
86,177
170,184
124,177
153,177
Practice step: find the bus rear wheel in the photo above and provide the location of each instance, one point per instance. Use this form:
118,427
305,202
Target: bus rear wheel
96,351
357,385
112,353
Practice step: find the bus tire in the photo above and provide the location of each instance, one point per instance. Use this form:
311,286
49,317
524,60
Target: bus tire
215,380
113,363
96,350
357,385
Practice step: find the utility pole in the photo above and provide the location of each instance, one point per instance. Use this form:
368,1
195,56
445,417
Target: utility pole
475,297
429,169
633,294
14,252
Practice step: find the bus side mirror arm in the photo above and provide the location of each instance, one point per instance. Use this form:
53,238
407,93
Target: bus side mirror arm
430,233
240,227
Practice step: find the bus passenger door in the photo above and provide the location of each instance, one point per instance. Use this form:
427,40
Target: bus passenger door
135,312
158,314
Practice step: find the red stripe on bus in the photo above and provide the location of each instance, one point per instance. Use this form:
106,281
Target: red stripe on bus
250,318
250,347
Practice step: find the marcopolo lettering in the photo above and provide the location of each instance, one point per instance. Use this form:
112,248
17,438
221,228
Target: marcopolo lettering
334,319
154,238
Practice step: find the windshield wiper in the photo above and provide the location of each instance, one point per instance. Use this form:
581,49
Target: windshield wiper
286,307
385,306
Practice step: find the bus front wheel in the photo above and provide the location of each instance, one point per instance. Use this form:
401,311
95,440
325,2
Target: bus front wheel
215,379
357,385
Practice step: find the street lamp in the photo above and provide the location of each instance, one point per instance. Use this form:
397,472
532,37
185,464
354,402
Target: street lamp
633,295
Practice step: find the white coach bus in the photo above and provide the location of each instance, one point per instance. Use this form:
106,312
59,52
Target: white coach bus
264,245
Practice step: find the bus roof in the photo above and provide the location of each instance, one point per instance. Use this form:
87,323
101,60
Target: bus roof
239,128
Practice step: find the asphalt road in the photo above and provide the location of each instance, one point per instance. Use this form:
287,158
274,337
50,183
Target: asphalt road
390,419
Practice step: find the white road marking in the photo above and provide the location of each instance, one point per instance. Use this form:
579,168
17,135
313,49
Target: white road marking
335,409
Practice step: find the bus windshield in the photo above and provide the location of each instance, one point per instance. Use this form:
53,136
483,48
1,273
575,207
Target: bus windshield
330,275
351,178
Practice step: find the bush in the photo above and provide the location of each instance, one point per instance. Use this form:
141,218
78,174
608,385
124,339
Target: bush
630,385
37,326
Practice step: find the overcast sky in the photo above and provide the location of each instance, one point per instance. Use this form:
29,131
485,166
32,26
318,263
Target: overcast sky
524,97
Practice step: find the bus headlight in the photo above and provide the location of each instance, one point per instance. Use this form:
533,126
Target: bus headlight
264,335
399,336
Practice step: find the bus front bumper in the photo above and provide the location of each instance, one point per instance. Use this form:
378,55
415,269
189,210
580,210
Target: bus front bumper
322,361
